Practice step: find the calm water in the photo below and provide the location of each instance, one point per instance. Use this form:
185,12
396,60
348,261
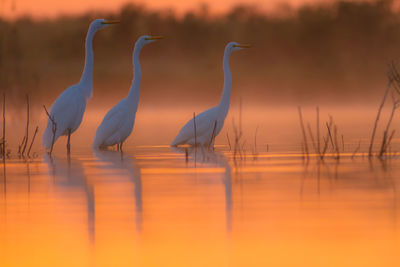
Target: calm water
154,206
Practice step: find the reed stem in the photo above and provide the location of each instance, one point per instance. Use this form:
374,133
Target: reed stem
371,144
27,125
303,131
33,140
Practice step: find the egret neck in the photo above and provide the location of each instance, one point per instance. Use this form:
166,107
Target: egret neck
134,91
226,94
87,75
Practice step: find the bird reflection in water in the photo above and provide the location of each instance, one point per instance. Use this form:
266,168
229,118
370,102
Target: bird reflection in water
118,161
68,173
204,155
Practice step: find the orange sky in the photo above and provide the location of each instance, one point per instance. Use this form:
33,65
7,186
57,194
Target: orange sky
52,8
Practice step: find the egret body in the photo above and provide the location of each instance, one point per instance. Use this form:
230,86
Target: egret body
204,127
118,123
68,109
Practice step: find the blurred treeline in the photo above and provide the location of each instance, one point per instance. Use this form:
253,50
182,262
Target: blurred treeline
336,52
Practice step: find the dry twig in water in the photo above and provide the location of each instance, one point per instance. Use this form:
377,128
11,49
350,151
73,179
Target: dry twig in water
195,139
54,129
229,141
33,140
312,138
4,127
326,139
386,138
255,153
317,126
303,131
27,126
194,128
211,144
392,76
336,142
356,150
21,145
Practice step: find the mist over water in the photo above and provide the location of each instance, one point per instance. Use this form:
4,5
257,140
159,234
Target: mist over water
336,52
333,56
272,126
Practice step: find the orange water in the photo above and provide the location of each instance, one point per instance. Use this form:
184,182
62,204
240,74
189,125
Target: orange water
153,206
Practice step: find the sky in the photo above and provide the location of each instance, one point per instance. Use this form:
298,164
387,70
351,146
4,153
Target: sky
53,8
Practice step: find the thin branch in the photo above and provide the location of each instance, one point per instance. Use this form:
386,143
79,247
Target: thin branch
328,126
195,138
54,129
356,150
194,128
342,143
386,132
336,142
213,135
229,142
312,138
378,116
4,126
303,131
255,154
326,140
389,140
21,145
27,125
33,140
318,139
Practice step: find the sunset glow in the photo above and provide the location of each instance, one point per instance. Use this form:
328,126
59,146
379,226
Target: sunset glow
49,8
199,133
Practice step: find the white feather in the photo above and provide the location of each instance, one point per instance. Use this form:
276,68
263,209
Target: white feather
205,133
210,122
118,123
116,126
68,109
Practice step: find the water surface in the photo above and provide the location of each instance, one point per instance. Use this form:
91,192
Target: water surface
155,206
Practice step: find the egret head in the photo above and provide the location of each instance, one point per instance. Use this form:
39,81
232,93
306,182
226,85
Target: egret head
233,46
147,39
100,23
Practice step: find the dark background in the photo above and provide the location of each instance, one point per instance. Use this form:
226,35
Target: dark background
336,52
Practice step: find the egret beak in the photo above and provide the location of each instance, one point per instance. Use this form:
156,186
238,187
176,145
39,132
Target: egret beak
110,22
242,45
155,38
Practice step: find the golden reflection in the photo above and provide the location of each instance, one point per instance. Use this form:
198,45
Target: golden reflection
180,170
68,174
347,211
117,161
209,156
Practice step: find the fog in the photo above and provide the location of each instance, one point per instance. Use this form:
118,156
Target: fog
336,53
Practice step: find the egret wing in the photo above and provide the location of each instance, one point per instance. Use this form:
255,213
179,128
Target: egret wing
204,123
67,111
112,121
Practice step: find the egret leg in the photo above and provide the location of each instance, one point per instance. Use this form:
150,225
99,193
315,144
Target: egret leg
69,142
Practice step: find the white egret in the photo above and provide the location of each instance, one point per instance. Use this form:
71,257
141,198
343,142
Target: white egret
204,127
67,111
118,123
